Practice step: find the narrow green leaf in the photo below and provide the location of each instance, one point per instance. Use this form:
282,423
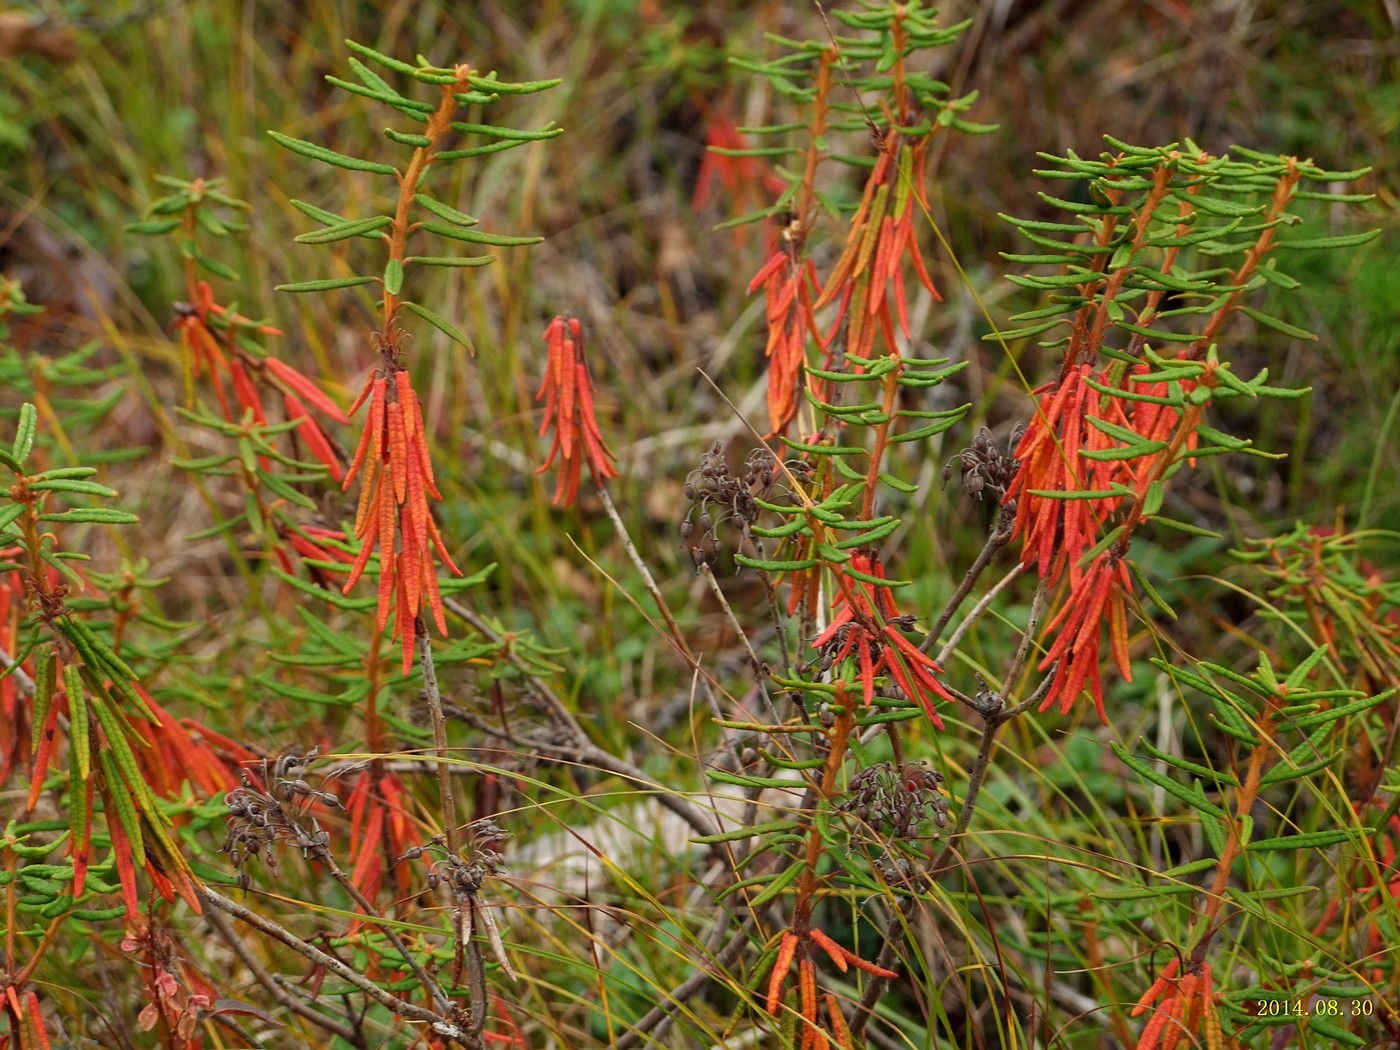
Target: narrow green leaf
217,268
495,240
456,260
99,515
774,564
721,776
327,284
782,882
393,277
1277,325
514,134
1346,240
898,484
78,734
444,212
1169,785
330,156
97,652
25,428
873,535
407,139
779,532
739,834
9,514
1156,334
1307,840
479,151
523,87
865,577
1345,711
1222,776
1181,526
442,324
384,60
340,231
86,488
152,227
1340,1036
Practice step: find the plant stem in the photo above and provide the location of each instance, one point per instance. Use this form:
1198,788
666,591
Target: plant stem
269,982
444,775
386,999
1001,535
647,580
439,997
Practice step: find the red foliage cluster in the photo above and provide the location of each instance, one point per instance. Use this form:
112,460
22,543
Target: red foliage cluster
881,236
1187,1005
1060,454
209,336
398,479
567,391
790,286
793,948
867,627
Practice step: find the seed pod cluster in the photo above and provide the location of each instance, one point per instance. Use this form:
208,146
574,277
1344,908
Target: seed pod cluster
896,803
718,496
986,467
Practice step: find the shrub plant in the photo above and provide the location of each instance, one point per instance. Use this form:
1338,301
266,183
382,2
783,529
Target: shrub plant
1005,801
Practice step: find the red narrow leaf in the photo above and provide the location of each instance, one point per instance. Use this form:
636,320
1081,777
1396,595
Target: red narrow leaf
388,522
365,391
406,627
777,261
441,548
826,944
246,392
430,588
366,437
409,569
786,949
366,870
398,452
362,559
314,436
42,755
403,383
305,388
807,987
36,1022
126,870
568,393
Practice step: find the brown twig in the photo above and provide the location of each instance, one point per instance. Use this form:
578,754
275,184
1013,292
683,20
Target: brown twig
434,696
1000,537
439,1024
346,1031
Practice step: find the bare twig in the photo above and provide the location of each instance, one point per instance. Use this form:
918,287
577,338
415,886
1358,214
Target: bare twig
558,710
345,1030
647,580
439,1024
996,715
440,999
583,753
430,689
955,639
754,662
1001,535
